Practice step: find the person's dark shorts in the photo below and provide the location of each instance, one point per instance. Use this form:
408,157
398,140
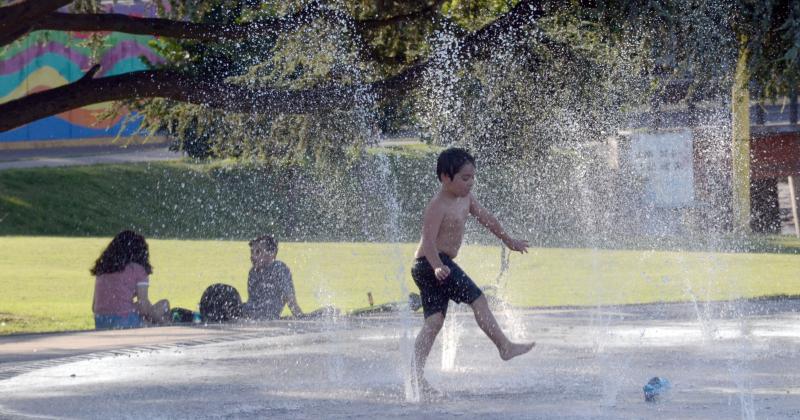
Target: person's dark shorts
436,295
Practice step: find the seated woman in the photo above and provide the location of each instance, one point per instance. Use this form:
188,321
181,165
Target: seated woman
120,288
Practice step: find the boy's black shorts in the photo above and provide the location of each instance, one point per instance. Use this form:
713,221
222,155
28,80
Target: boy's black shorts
435,295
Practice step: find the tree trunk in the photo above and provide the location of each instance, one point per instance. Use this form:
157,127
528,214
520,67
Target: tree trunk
740,148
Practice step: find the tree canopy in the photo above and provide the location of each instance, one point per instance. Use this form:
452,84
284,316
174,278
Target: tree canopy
309,79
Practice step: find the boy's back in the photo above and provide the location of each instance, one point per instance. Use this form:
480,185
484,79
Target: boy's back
268,288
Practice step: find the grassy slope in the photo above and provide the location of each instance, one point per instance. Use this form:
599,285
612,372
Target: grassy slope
84,200
161,199
46,285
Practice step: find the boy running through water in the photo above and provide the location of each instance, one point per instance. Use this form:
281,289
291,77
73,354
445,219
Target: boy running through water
439,279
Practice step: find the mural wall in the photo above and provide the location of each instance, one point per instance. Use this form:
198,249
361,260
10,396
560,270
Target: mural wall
45,59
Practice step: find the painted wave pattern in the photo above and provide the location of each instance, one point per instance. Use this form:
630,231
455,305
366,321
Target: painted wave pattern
44,60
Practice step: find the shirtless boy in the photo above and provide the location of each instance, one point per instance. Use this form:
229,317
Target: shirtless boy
439,279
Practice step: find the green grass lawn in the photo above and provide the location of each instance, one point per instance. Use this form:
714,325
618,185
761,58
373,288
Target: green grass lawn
47,287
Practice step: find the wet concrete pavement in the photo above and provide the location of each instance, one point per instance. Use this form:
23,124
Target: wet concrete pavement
726,360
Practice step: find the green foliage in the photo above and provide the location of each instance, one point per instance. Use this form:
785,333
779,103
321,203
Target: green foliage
528,98
573,75
314,56
701,39
773,41
323,53
474,14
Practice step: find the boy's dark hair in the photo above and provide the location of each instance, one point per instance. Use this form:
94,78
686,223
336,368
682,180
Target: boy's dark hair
126,247
267,241
220,302
451,160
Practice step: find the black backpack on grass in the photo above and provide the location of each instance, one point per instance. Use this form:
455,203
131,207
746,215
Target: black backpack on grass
181,316
220,303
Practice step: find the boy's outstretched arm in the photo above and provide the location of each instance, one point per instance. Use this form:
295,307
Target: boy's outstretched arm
487,219
431,222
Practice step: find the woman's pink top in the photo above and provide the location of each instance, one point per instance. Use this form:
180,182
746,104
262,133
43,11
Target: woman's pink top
114,292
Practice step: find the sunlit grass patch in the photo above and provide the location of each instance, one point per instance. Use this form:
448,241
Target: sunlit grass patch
47,285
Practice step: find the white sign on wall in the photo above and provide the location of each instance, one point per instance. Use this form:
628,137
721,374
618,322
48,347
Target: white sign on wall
664,161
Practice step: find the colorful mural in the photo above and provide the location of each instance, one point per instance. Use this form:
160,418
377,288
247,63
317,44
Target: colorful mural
44,59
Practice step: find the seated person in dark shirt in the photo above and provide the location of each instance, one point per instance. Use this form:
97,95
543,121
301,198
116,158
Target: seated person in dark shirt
269,284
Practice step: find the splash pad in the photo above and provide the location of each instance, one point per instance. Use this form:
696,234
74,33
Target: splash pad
588,363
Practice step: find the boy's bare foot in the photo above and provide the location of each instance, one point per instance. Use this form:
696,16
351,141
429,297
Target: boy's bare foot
515,349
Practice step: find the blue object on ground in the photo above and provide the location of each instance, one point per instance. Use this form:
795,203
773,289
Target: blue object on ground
655,388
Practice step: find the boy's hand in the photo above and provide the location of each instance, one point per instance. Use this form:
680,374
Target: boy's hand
518,245
442,273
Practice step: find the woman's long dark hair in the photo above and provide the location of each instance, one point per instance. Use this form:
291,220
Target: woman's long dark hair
127,247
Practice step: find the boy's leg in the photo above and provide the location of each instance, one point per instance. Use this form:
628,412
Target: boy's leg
424,343
489,325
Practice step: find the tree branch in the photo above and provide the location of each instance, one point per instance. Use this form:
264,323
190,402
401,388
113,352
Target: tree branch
426,12
115,22
16,19
523,12
238,98
171,85
505,29
477,44
90,73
